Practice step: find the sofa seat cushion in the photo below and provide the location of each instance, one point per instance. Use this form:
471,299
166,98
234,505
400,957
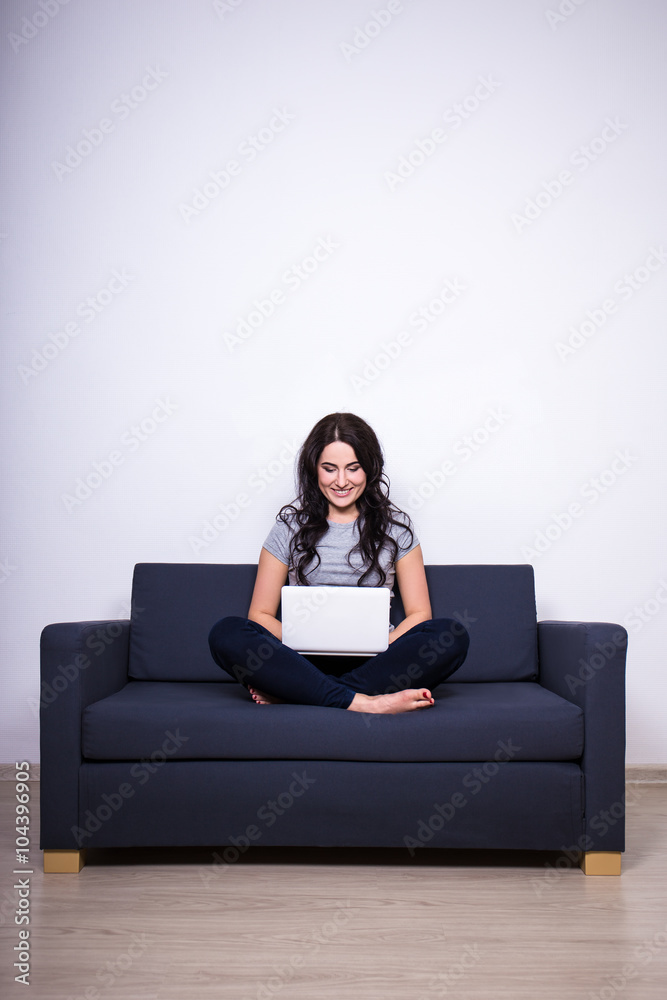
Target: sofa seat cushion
161,720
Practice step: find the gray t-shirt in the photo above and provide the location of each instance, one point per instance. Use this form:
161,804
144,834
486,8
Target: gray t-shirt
333,548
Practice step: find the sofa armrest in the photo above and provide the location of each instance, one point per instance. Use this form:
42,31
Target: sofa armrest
584,662
81,662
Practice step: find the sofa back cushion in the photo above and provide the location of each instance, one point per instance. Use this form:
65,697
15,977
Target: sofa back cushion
175,605
497,606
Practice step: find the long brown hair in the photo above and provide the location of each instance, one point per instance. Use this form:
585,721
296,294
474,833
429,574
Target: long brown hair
376,511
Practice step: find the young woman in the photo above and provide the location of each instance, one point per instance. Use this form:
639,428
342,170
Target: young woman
342,530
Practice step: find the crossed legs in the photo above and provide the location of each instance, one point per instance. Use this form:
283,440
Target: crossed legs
425,656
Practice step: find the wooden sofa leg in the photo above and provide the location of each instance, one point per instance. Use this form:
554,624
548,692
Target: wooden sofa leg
64,862
600,862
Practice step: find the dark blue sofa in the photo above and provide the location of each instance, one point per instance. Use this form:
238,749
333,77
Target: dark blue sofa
146,742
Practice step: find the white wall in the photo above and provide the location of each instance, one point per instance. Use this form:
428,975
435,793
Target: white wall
505,99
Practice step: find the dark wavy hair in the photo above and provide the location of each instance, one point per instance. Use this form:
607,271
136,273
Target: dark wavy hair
376,511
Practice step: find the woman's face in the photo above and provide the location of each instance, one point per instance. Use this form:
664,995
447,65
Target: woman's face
340,477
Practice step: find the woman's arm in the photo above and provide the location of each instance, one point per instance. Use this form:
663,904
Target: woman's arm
265,601
411,579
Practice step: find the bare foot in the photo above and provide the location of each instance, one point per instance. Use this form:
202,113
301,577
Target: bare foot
392,704
260,698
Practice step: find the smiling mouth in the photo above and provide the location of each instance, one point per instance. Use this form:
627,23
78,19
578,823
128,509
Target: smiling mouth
342,493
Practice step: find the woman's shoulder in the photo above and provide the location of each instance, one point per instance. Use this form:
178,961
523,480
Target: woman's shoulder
278,540
402,530
286,521
400,522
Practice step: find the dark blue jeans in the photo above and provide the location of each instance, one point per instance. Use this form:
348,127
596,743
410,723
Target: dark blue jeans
424,656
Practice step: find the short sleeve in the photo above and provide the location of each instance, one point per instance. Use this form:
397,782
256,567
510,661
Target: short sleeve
277,541
402,536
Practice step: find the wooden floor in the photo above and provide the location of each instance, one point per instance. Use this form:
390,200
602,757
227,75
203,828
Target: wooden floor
359,924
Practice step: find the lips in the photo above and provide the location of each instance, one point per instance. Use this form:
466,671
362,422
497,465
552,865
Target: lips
342,493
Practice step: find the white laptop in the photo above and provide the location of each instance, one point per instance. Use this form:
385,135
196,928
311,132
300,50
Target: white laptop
350,621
